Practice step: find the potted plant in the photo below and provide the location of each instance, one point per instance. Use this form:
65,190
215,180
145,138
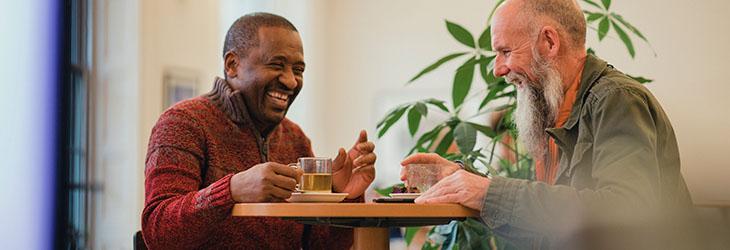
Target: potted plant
502,155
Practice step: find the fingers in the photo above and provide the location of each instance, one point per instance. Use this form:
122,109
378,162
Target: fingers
449,198
283,182
365,146
277,193
340,160
363,160
360,181
363,136
285,170
423,158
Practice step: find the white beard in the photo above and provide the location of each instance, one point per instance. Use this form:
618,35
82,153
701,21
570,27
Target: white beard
537,105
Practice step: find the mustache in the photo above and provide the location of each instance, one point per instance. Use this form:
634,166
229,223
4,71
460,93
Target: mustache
515,78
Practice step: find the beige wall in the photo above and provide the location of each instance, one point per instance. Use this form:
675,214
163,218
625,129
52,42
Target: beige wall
690,73
359,55
114,135
376,46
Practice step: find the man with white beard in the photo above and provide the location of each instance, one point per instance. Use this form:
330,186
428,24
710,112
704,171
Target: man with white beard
607,163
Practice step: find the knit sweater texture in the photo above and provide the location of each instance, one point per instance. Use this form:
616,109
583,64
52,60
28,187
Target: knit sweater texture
195,148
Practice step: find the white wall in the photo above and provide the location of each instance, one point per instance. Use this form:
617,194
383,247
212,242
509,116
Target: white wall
359,55
690,72
375,46
114,132
136,43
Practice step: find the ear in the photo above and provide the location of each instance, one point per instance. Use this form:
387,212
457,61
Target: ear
230,63
551,40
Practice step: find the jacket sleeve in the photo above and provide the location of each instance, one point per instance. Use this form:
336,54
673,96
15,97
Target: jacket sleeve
178,212
624,168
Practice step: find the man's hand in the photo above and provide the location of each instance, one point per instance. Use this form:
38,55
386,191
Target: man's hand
447,167
461,187
353,171
264,182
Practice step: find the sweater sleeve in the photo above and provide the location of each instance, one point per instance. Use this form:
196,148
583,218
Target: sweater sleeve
178,212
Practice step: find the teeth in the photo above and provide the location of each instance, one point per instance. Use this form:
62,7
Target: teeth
278,95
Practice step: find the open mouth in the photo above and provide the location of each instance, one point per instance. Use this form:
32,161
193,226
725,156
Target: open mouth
279,99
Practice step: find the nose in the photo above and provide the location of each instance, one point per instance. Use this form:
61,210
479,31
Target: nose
288,79
500,68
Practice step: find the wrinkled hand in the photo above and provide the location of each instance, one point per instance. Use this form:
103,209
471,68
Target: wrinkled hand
461,187
353,171
264,182
447,167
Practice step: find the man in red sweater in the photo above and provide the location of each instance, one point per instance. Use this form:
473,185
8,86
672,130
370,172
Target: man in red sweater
232,145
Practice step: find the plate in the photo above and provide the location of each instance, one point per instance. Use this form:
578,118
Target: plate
317,197
405,195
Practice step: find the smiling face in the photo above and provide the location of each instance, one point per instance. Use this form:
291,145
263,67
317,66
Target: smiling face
269,76
539,84
514,43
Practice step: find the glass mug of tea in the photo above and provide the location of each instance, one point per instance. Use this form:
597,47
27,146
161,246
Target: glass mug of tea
317,177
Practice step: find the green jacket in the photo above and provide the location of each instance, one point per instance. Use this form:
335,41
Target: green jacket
619,166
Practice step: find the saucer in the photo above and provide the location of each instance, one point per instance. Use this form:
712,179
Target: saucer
317,197
405,195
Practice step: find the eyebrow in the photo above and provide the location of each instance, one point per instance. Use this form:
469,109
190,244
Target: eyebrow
283,58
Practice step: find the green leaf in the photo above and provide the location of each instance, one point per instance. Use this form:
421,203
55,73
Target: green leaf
606,3
390,114
388,122
414,120
437,103
590,51
492,94
460,34
445,143
629,26
466,137
410,232
462,82
421,108
427,137
603,28
625,38
473,234
485,39
387,190
436,65
486,73
592,3
594,16
486,131
640,79
494,9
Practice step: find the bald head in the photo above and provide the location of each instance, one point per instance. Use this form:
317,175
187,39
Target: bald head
531,15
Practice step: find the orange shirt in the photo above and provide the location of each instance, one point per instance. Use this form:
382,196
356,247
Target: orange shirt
547,173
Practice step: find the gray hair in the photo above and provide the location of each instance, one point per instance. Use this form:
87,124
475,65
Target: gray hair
567,13
243,33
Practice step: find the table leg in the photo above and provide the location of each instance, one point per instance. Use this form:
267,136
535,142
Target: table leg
371,238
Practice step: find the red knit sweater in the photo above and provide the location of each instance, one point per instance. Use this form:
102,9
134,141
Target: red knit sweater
195,148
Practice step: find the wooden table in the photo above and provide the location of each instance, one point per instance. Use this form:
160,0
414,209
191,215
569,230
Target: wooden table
371,220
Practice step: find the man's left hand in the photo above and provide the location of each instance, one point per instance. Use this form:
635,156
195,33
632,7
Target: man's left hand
460,187
353,171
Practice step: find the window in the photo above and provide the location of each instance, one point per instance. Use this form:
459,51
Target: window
74,205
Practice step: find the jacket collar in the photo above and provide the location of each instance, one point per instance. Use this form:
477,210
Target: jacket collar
593,68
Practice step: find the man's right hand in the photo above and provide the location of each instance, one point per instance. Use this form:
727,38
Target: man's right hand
447,167
264,182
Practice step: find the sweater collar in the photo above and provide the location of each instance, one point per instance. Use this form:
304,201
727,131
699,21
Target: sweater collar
230,101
